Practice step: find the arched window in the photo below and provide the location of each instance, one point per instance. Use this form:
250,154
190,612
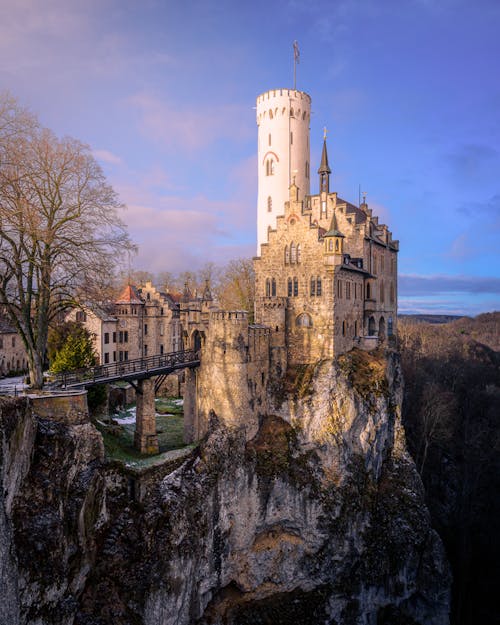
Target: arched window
273,287
290,287
293,253
330,245
356,328
371,326
298,252
389,326
343,328
313,286
269,167
291,112
368,291
287,255
268,287
295,287
336,245
270,115
304,321
318,286
269,204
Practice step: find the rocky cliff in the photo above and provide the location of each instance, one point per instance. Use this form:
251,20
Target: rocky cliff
318,519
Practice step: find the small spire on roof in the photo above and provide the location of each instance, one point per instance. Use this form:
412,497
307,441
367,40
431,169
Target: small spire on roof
334,230
324,168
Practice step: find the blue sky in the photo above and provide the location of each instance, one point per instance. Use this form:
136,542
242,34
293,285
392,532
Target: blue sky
164,92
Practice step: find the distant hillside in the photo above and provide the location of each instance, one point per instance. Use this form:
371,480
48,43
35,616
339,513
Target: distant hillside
484,328
430,318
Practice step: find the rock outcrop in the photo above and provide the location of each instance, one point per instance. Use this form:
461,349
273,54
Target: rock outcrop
319,518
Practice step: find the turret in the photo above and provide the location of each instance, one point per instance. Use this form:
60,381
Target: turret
333,244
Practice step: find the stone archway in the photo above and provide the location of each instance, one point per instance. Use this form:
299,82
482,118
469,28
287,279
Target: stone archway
196,340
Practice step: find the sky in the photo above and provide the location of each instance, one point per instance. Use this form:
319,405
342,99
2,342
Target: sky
164,94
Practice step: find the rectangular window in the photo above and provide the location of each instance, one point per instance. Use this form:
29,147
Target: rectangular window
145,350
13,341
120,337
1,343
114,356
323,208
120,356
161,349
291,138
318,287
106,358
145,329
348,290
295,287
339,288
125,336
81,316
125,355
114,337
106,338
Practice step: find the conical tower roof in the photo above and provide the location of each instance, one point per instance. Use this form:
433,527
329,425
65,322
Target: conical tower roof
334,231
324,168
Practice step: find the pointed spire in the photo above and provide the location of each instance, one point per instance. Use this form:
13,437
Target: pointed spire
324,168
334,229
207,294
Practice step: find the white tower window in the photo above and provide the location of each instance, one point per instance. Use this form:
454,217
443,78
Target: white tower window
269,204
270,167
269,138
291,138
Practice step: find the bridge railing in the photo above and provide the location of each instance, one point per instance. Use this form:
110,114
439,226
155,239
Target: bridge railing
127,368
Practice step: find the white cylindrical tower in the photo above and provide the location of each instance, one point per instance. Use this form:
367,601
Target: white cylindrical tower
283,118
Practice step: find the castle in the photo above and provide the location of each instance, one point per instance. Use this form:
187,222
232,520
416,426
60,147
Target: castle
326,282
326,277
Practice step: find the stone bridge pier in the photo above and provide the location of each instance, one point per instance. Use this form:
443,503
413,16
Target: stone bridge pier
146,438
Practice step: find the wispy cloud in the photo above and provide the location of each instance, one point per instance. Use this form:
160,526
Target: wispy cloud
185,129
106,156
410,285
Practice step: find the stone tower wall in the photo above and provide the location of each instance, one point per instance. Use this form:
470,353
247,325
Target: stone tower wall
231,381
283,118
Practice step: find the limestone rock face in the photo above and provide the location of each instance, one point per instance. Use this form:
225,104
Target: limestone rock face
319,518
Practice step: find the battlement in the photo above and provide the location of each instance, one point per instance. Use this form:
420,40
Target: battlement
288,93
236,316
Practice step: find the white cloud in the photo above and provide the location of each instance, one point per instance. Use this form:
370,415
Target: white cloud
106,156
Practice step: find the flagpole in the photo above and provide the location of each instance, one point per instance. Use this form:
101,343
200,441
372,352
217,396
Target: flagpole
296,55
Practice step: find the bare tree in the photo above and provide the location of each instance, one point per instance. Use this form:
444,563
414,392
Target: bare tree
59,227
236,288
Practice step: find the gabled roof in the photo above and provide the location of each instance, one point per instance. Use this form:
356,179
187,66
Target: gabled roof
6,327
129,295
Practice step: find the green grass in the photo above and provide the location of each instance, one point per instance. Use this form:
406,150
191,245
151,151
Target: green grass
119,438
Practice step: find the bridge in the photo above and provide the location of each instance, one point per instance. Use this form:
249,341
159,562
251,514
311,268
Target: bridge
139,372
129,370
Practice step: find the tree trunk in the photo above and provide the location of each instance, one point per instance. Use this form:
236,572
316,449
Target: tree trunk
35,366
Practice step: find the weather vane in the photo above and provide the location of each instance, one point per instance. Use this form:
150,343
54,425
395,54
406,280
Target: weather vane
296,59
324,133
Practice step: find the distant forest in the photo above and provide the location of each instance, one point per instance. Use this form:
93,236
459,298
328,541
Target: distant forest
451,413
